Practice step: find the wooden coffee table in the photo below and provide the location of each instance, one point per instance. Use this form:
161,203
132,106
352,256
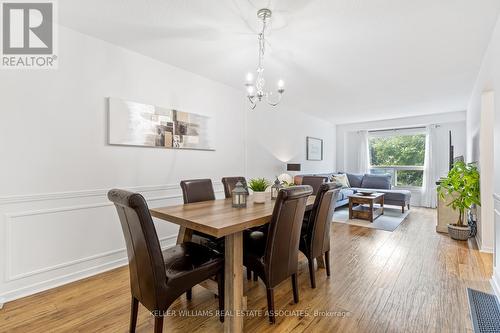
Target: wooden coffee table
363,206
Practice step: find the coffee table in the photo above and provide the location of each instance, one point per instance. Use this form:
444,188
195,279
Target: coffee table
364,206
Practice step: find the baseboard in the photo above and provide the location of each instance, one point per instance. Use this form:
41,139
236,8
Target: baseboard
442,229
495,283
72,277
481,247
61,280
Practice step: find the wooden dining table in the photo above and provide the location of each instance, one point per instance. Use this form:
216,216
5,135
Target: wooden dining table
218,218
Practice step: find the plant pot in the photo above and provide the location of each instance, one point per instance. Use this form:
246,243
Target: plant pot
259,197
458,232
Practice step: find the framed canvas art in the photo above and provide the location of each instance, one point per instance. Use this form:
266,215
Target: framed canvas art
137,124
314,149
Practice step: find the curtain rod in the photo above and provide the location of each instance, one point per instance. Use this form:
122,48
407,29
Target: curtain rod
398,129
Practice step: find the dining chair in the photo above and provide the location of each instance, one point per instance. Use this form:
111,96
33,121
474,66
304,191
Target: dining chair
158,278
314,181
273,255
229,184
198,190
315,232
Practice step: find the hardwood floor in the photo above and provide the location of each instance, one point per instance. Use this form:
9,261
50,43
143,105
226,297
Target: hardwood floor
409,280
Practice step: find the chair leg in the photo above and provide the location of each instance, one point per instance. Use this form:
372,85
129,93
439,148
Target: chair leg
327,263
270,305
295,288
408,206
403,208
133,314
249,274
189,294
220,289
312,273
158,324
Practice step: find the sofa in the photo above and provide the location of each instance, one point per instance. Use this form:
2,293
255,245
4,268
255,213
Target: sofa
379,183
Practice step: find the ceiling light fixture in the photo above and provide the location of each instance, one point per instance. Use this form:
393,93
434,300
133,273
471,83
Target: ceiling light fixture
255,89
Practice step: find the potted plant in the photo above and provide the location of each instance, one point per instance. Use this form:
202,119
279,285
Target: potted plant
462,184
259,186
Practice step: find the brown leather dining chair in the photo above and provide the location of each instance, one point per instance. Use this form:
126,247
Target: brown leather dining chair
274,255
314,181
158,278
229,184
198,190
315,233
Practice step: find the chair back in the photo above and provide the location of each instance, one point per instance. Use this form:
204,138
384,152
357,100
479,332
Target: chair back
282,247
314,181
230,183
318,228
196,190
147,270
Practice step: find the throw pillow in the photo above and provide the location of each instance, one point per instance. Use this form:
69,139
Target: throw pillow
341,179
377,181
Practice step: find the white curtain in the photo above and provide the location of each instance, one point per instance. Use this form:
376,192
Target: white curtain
429,195
363,153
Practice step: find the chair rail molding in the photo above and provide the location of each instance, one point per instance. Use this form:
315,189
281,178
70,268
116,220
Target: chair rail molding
58,226
12,199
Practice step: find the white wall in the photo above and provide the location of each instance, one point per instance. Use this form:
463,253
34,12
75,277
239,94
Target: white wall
347,157
481,147
56,166
278,136
347,148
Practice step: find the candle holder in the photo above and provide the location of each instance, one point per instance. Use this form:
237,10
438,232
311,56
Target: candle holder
239,196
275,189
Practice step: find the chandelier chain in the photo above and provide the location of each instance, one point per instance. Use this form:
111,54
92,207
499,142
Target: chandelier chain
255,90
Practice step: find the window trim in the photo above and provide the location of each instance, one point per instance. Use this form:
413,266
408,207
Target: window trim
395,168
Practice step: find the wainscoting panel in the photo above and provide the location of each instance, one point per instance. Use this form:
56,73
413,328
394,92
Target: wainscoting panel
55,238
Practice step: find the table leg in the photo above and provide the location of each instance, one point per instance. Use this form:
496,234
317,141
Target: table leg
350,209
184,235
371,210
233,284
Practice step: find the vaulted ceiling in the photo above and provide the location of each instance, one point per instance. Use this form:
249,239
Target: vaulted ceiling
342,60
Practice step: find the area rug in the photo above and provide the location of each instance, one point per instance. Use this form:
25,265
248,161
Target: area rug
391,219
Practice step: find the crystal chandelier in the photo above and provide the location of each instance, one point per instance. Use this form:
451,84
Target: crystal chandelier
255,89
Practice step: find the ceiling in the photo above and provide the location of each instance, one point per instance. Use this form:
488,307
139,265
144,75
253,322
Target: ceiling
342,60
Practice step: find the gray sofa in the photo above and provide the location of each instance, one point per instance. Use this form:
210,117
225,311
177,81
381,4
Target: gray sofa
379,183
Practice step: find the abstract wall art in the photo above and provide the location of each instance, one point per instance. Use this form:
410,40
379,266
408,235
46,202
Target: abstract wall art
137,124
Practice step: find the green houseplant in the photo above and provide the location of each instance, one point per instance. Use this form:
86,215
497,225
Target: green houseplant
259,187
462,185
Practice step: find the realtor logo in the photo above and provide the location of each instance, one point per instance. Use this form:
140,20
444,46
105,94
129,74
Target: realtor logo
28,35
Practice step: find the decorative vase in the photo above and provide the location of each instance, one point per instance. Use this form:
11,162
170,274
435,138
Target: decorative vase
259,197
459,232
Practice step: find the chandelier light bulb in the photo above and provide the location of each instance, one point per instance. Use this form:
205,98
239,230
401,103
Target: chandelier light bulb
250,91
281,84
249,77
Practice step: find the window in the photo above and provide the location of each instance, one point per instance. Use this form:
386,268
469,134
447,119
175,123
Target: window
401,154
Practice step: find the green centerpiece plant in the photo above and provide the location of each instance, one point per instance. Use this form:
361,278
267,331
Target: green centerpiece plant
462,185
259,187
